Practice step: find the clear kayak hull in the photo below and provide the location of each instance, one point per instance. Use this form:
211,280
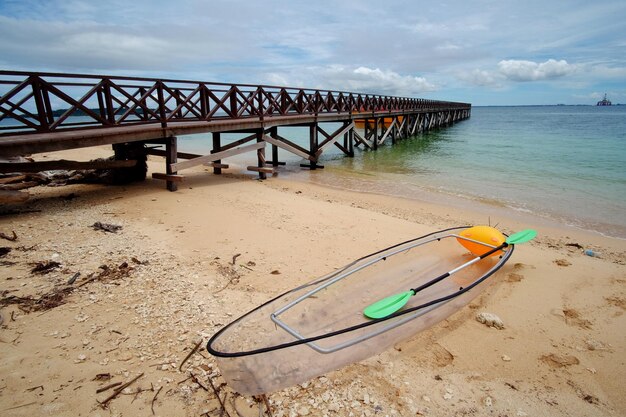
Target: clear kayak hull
319,327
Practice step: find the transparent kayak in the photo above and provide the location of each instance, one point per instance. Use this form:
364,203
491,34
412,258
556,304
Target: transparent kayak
320,326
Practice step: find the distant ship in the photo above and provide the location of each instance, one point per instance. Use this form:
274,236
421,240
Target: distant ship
604,102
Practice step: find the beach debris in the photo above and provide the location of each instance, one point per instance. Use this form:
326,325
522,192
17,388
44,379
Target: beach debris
108,387
592,253
194,350
46,301
490,320
574,245
56,297
118,391
559,361
108,273
235,256
591,399
275,272
73,279
106,227
102,377
506,358
513,387
216,392
4,250
44,267
12,238
154,398
228,271
562,262
20,406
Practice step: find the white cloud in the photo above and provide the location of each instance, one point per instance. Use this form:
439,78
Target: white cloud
370,78
409,48
519,70
481,78
360,80
373,80
603,71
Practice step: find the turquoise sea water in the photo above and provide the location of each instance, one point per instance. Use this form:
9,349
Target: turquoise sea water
562,163
565,163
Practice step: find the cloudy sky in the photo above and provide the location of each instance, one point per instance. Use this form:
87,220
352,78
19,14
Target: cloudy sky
485,52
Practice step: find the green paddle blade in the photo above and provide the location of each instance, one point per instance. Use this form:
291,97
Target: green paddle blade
387,306
521,237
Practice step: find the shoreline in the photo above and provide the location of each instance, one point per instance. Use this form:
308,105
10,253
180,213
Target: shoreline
223,244
474,203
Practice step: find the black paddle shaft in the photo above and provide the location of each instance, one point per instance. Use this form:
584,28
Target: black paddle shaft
447,274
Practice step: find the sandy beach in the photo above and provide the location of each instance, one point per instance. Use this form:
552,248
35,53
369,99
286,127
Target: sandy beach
185,263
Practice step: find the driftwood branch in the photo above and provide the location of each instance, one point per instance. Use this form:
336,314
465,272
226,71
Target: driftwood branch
119,390
217,395
108,387
154,399
63,164
12,179
195,348
12,197
9,238
19,186
267,405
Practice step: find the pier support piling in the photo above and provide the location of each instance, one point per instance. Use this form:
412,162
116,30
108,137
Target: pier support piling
261,155
171,157
217,146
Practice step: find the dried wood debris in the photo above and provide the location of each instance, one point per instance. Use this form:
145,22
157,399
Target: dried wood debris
106,227
9,238
44,267
57,296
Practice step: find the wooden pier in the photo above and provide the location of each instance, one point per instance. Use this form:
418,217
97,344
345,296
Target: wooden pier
142,116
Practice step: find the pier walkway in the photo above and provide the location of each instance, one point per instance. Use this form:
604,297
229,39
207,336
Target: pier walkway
43,112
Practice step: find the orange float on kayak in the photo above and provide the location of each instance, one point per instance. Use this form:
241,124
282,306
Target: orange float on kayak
486,234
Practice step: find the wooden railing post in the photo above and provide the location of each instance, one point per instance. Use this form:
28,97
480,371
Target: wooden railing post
232,97
108,102
162,112
204,102
44,117
261,108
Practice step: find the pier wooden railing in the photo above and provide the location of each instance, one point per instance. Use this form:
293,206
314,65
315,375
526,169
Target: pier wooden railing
44,102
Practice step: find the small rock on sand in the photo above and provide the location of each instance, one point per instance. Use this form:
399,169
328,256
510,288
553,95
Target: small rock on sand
490,320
